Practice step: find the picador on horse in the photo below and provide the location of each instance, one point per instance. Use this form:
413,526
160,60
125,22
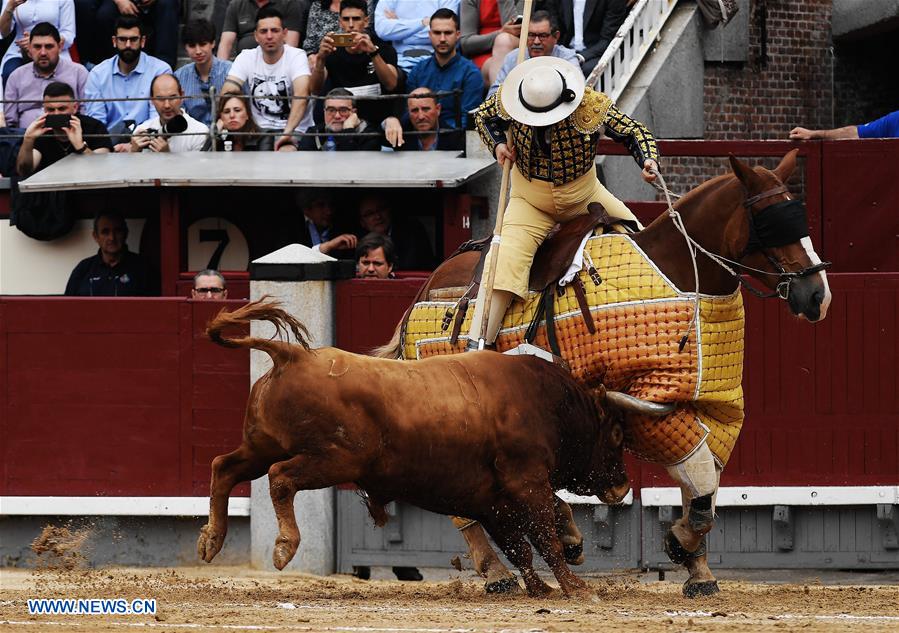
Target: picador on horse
655,317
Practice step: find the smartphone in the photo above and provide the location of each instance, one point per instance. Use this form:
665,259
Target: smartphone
343,39
57,121
518,19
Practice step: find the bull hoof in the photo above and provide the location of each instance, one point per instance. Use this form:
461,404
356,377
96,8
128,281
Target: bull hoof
283,553
700,589
209,544
574,554
676,552
509,584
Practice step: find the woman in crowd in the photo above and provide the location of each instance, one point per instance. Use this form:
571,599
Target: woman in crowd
20,16
490,30
236,131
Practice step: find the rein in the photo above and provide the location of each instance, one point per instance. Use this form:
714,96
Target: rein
762,236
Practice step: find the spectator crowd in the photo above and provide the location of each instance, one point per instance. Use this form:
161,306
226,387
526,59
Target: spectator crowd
94,76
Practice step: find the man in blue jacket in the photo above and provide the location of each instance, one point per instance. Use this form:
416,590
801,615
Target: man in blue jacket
884,127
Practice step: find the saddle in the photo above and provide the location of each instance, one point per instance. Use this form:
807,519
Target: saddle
551,262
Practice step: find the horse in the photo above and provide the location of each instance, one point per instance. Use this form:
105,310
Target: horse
744,221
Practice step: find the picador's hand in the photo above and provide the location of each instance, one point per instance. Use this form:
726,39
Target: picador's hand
504,153
648,166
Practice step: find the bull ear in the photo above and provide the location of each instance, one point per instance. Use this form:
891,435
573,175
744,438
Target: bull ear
744,172
787,165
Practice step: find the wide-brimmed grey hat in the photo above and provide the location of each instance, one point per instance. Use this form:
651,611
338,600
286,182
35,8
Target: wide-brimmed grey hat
542,90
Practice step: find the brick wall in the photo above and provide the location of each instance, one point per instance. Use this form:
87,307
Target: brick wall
785,82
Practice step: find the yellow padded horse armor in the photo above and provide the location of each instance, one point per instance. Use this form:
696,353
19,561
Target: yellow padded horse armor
640,319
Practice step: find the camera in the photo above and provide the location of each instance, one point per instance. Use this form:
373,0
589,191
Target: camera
176,125
342,40
518,19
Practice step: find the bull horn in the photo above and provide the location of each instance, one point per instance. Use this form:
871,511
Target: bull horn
630,403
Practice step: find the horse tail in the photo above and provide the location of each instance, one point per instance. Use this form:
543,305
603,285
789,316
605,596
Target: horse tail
261,310
393,348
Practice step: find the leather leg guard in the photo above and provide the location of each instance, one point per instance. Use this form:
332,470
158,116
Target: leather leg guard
677,553
701,515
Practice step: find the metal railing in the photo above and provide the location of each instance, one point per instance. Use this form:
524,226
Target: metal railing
214,133
633,41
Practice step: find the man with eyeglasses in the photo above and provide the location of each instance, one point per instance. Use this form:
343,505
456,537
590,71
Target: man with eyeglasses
542,40
128,74
174,130
209,285
341,127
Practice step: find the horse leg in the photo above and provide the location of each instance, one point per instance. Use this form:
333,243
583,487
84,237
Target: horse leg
685,542
227,471
485,560
569,534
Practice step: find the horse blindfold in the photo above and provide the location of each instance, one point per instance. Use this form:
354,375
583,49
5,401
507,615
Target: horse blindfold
780,224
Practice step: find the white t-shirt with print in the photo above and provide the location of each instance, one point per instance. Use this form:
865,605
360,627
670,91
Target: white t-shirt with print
264,81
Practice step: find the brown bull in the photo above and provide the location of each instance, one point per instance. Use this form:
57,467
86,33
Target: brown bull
483,435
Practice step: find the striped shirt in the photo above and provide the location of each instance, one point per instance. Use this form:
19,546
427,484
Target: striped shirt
191,84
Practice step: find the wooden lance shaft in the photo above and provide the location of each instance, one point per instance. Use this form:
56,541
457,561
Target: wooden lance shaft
485,291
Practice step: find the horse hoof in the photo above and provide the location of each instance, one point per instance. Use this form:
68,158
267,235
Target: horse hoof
574,554
676,552
508,584
699,589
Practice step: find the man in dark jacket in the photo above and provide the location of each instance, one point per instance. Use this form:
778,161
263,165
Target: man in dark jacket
591,32
114,271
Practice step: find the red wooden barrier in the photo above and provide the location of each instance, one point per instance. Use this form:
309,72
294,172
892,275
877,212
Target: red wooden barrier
368,310
115,397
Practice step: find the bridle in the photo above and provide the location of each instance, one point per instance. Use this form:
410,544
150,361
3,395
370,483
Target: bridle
778,224
775,225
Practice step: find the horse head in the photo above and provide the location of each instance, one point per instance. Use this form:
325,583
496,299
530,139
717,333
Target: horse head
778,250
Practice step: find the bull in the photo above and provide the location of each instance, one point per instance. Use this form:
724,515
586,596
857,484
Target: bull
483,435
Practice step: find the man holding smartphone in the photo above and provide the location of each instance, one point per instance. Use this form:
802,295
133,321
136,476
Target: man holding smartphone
351,60
67,129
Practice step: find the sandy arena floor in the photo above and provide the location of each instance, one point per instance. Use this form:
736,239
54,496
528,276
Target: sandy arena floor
217,599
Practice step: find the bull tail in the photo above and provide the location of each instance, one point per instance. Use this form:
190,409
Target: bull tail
261,310
393,348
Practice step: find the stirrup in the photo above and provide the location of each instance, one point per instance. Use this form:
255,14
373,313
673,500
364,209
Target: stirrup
526,349
472,346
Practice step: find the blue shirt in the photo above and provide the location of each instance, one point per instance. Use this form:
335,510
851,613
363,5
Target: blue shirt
511,60
106,81
460,72
406,31
191,84
884,127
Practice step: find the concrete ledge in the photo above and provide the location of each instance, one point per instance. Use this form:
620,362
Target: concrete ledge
856,19
782,495
338,269
117,506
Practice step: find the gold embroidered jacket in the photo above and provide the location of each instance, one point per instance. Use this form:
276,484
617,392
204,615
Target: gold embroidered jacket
572,141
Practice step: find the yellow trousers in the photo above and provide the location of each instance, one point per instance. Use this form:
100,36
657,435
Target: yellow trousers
535,206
